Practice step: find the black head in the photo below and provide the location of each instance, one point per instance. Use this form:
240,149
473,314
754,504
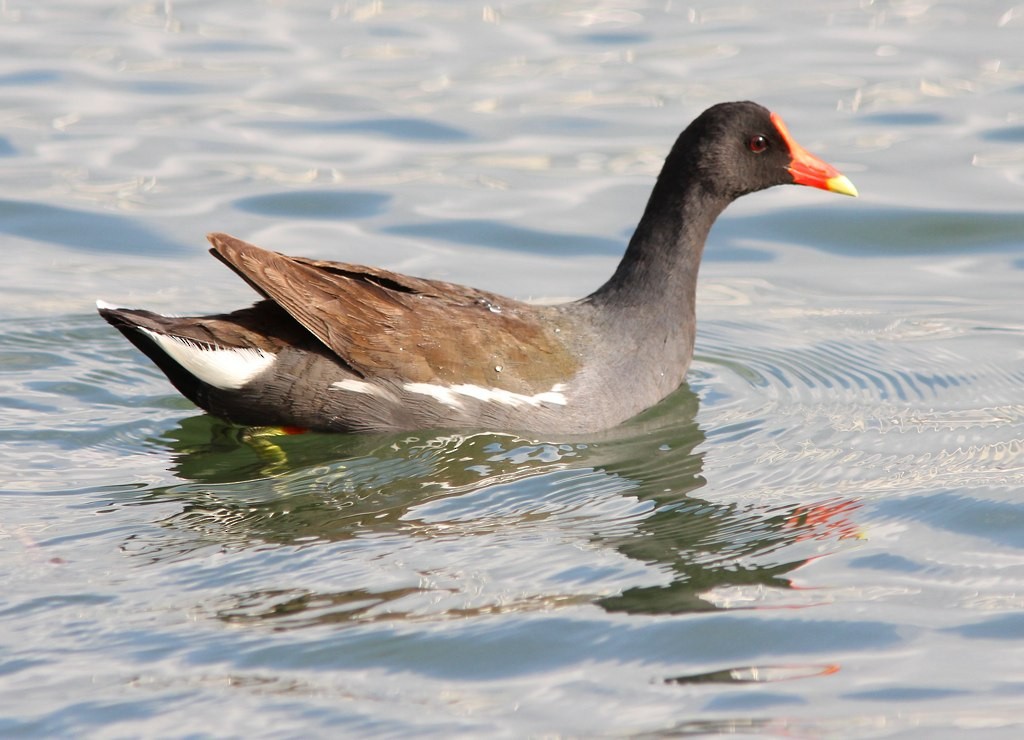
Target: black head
738,148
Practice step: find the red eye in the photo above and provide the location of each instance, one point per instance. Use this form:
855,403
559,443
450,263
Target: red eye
757,143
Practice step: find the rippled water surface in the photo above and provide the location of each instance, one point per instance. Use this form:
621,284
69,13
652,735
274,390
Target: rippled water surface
821,536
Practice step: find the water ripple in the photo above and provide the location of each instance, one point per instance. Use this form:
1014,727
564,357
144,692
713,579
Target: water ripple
880,412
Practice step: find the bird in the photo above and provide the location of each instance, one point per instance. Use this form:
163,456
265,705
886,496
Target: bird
336,347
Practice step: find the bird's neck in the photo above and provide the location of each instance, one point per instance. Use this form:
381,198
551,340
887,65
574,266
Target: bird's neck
646,311
657,277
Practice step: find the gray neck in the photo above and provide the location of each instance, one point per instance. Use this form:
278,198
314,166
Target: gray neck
647,308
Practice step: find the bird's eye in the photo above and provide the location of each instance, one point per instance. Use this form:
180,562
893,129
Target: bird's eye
757,144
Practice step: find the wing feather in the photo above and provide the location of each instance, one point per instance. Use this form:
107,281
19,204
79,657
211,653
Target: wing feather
406,329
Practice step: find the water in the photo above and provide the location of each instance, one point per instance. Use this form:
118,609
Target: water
820,537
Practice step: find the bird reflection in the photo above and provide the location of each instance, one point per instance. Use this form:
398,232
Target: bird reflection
240,491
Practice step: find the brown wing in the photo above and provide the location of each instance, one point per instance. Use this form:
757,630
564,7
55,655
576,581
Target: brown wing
407,329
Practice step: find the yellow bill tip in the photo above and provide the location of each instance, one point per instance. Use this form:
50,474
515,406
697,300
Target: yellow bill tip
841,184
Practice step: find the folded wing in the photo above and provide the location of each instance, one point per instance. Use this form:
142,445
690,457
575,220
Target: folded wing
394,327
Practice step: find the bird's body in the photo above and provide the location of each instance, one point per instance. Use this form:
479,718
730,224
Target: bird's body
338,347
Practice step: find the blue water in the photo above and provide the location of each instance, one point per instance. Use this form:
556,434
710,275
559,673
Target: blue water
821,536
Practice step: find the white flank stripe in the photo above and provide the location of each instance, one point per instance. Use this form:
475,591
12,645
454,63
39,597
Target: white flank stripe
554,396
227,368
361,386
441,393
447,394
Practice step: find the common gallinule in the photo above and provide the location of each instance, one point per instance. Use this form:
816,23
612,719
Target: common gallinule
349,348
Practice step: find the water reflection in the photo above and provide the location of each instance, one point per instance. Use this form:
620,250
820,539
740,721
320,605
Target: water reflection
84,230
434,518
756,674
